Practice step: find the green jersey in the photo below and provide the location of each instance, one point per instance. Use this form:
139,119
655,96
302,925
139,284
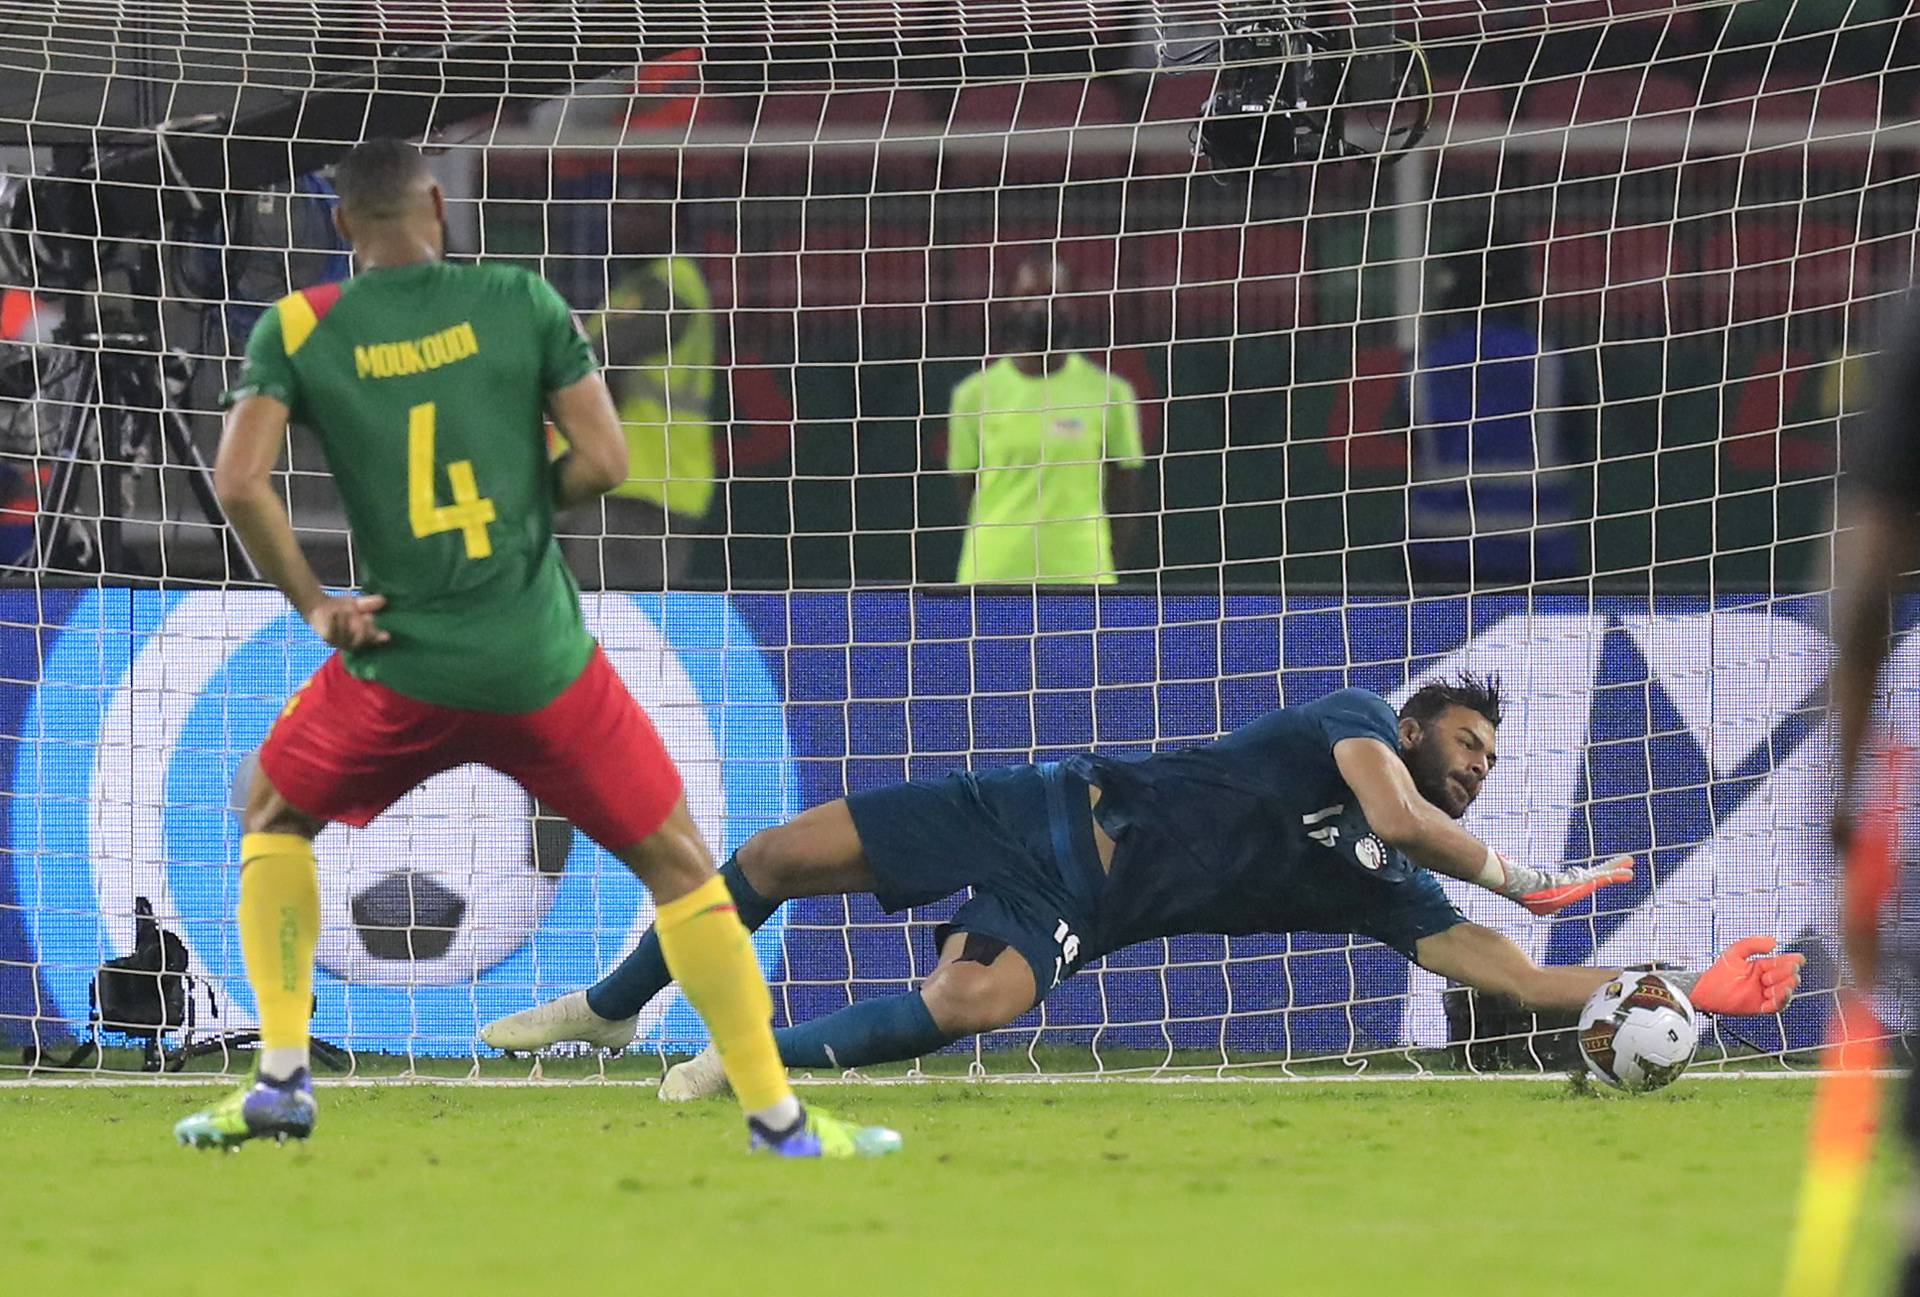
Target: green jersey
426,385
1038,445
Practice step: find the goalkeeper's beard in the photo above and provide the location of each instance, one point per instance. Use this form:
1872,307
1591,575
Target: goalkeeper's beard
1433,778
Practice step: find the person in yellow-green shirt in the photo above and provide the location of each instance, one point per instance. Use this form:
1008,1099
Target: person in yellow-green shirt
1042,443
657,338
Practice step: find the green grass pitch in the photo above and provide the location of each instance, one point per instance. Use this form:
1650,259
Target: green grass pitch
1110,1189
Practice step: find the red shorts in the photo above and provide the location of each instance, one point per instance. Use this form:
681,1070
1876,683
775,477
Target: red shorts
346,749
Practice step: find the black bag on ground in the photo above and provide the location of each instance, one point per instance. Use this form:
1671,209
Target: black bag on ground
146,994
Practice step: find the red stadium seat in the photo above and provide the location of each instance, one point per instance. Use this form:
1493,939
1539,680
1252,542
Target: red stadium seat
1094,259
1207,272
1175,101
811,137
1178,97
1845,115
1360,437
1759,435
1271,296
1616,278
1763,264
1613,117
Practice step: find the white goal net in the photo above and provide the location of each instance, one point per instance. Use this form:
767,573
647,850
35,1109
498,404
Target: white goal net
1506,337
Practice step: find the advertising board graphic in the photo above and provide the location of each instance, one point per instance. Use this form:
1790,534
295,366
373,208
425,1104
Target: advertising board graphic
1687,731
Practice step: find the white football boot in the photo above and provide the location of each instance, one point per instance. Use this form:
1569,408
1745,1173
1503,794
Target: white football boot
565,1019
700,1077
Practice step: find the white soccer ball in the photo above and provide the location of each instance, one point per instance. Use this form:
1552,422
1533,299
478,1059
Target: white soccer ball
1638,1032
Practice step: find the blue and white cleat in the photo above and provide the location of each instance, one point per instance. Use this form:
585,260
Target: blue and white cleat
276,1110
820,1134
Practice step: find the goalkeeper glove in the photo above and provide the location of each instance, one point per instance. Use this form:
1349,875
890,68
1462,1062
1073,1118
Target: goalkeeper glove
1749,978
1550,891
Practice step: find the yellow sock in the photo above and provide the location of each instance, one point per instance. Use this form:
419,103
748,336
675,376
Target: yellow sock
279,928
712,958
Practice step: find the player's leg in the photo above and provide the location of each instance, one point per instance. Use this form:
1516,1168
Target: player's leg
1909,1280
817,853
923,851
981,983
1011,942
279,918
342,749
594,757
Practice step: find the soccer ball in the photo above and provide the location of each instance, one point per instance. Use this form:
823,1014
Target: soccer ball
1638,1032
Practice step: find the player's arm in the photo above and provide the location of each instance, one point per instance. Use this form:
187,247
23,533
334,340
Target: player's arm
1875,544
577,401
596,458
1749,978
1410,823
256,427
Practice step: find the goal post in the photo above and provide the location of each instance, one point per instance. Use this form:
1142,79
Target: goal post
1511,342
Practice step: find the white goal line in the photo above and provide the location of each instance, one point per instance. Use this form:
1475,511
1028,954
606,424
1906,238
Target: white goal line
642,1082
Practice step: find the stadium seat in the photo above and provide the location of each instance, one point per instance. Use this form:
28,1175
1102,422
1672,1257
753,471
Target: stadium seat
1470,111
1163,144
1017,125
1768,263
1271,294
767,281
1452,21
1360,437
1845,116
1597,274
1613,114
1770,424
814,138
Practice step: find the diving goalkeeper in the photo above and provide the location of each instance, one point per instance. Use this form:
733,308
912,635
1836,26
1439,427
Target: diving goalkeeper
1326,818
426,384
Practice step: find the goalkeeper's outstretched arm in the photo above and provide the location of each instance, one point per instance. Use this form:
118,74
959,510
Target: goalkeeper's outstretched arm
1408,822
1748,978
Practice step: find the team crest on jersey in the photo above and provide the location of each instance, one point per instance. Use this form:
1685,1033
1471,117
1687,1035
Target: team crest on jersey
1370,852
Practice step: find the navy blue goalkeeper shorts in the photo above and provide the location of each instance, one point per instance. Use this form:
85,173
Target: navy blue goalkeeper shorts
1021,838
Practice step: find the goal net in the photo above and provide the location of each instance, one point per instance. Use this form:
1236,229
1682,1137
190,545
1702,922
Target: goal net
1456,335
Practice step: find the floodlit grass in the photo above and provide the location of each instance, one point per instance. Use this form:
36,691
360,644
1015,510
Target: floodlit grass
1397,1188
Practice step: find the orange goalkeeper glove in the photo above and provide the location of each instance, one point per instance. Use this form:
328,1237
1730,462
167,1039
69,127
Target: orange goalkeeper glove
1548,892
1749,978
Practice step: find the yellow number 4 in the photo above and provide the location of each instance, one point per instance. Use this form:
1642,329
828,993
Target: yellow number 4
469,513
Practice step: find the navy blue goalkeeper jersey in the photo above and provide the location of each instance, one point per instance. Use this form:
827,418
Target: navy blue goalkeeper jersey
1257,832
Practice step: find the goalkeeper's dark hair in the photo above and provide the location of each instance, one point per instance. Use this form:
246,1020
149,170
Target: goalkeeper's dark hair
378,180
1476,693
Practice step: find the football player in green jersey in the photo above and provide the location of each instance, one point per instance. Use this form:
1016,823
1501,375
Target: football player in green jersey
427,385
